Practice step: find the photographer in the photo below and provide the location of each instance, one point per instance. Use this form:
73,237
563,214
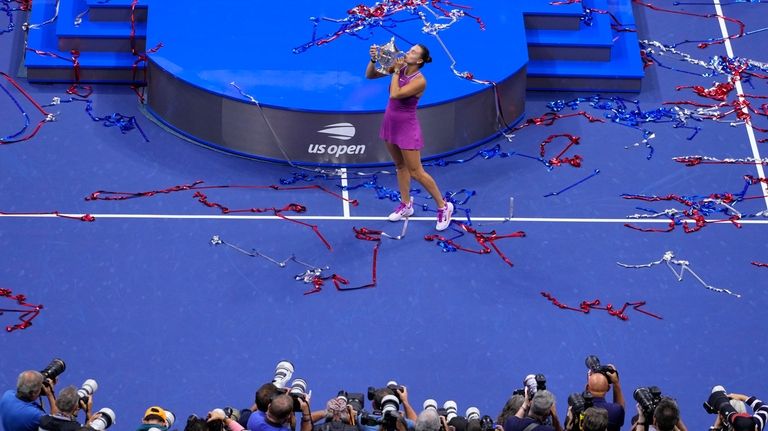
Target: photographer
19,409
595,419
68,404
533,414
510,408
280,417
666,417
156,418
428,420
598,384
258,410
720,402
338,416
408,416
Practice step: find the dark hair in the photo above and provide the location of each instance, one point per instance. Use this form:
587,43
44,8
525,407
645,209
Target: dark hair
666,415
595,419
510,408
264,395
281,407
424,55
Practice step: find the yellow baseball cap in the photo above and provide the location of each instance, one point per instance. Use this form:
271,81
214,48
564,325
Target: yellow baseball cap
155,411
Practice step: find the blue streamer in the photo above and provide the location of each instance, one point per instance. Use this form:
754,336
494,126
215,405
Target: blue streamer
23,113
123,122
595,173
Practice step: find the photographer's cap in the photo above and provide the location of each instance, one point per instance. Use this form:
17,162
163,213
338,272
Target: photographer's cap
155,413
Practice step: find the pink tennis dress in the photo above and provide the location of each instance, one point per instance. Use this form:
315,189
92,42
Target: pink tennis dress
401,126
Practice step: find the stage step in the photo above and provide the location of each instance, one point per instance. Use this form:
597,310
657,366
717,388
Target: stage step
91,35
94,67
576,60
543,15
116,10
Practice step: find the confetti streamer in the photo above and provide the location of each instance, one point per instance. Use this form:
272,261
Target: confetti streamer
586,306
671,262
27,313
486,241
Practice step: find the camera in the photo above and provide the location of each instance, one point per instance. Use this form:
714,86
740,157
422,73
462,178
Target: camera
232,413
283,373
53,370
534,383
298,391
486,423
579,403
376,395
648,398
593,364
353,399
450,410
104,420
472,413
388,418
86,390
429,404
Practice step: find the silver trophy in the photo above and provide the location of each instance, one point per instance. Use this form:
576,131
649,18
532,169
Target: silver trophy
386,56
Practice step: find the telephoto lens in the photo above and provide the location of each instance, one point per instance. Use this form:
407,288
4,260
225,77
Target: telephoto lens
87,389
430,404
472,413
170,418
390,403
593,363
451,410
298,387
56,367
283,373
105,418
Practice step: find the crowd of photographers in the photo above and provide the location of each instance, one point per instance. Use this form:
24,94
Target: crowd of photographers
283,406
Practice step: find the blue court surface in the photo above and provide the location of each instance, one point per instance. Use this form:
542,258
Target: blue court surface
143,301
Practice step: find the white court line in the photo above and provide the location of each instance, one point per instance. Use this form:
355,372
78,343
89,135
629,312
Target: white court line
740,91
345,193
377,218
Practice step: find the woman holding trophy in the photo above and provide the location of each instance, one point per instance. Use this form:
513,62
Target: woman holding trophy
400,128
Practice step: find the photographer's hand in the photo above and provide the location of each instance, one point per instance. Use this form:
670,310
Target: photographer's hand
740,397
523,410
306,415
640,425
48,391
555,419
569,419
613,378
410,413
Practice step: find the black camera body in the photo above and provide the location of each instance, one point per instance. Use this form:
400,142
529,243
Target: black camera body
486,423
376,395
388,419
593,364
648,398
579,403
354,399
53,370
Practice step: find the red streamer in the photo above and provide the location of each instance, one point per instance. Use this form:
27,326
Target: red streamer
587,306
84,217
296,208
47,117
26,314
486,241
558,160
760,264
